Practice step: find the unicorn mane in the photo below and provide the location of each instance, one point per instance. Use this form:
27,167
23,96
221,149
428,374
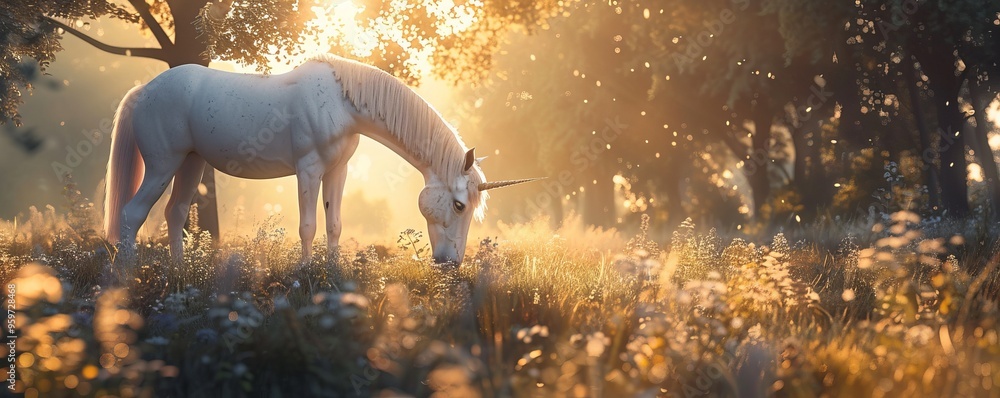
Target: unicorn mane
413,122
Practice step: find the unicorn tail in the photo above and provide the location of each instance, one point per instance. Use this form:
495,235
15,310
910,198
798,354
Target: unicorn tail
125,167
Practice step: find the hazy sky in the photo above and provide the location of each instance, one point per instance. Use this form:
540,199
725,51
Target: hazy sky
91,83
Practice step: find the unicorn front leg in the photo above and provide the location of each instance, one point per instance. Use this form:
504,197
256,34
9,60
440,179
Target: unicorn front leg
308,173
186,181
333,194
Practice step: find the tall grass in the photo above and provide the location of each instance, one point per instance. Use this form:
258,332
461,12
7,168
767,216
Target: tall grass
906,307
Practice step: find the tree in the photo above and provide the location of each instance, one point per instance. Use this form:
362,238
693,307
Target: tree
253,32
849,81
35,29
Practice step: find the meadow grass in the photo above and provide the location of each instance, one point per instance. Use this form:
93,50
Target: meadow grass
901,306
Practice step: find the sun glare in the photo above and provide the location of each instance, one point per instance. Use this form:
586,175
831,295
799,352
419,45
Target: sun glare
334,18
338,21
380,170
993,113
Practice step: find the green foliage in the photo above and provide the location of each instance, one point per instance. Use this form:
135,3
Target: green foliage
409,240
249,31
26,32
255,32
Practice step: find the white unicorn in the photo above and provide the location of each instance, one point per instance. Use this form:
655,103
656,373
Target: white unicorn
305,122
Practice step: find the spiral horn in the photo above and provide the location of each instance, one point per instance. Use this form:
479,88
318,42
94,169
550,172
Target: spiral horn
506,183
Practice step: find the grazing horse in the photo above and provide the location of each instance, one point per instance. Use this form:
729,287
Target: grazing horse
305,122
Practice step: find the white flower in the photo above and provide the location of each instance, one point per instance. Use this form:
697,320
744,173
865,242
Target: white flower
354,299
596,343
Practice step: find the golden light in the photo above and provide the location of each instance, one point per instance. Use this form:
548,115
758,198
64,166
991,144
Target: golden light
975,172
90,372
71,381
34,283
341,22
333,17
26,359
338,20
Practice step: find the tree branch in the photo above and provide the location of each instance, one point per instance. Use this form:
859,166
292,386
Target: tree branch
154,26
154,53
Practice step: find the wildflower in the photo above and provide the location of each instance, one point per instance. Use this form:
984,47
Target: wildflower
354,299
83,318
163,323
206,336
920,334
158,340
540,330
596,343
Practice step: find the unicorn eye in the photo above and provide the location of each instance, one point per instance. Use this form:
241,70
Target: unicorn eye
459,206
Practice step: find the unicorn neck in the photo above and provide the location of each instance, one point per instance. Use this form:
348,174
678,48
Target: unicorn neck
378,132
393,114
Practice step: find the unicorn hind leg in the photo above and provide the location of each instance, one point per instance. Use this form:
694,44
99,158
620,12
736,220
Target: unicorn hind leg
158,174
308,172
186,182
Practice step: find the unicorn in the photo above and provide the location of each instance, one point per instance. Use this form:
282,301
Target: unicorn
306,122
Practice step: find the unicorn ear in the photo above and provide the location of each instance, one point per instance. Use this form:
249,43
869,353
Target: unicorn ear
470,159
479,161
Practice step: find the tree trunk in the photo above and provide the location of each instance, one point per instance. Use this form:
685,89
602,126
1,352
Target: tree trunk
822,179
802,182
188,48
984,154
800,142
928,155
845,91
954,174
938,63
808,178
760,158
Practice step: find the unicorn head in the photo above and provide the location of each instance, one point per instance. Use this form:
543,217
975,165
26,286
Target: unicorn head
450,206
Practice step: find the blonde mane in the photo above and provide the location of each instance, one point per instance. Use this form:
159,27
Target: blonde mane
415,124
